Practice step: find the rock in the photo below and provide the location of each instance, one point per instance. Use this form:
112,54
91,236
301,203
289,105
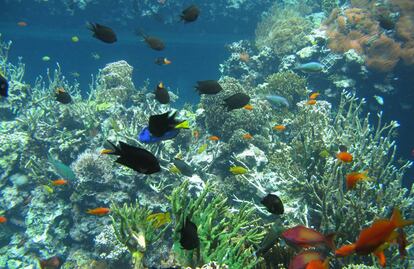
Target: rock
253,157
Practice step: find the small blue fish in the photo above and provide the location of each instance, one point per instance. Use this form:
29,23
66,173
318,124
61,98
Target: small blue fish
146,137
277,100
312,67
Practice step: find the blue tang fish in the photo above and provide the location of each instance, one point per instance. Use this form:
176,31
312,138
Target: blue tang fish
145,136
312,67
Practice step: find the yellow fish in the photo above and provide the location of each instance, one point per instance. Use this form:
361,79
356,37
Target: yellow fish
174,169
48,189
202,149
159,219
238,170
184,125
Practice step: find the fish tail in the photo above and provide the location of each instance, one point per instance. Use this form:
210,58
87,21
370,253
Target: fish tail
140,32
90,26
329,239
398,221
183,125
345,250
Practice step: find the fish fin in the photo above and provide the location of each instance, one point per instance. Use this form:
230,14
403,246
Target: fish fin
345,250
381,257
393,236
116,150
183,125
90,26
329,239
398,221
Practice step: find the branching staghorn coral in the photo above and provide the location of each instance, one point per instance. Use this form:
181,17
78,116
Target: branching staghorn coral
311,181
225,236
134,230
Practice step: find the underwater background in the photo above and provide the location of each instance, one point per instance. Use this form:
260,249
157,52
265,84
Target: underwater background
291,145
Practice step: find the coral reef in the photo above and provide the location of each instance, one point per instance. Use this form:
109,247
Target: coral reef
358,27
283,30
225,236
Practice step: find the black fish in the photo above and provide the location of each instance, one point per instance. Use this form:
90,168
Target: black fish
63,96
154,42
135,158
184,168
208,87
102,32
386,22
4,86
273,204
343,148
160,124
161,94
237,100
189,238
190,14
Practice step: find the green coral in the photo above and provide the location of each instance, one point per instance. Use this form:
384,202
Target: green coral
225,237
133,230
283,30
287,84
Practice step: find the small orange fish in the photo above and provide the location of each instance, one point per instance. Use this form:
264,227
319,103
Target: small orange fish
99,211
244,57
3,219
353,178
373,238
22,23
247,136
196,134
59,182
313,95
318,264
344,156
279,128
248,107
214,138
311,102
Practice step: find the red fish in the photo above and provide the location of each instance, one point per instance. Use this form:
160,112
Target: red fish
344,156
373,238
3,219
353,178
306,237
99,211
301,260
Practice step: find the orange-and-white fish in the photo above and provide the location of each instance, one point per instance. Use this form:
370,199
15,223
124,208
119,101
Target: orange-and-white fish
375,238
99,211
59,182
306,237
